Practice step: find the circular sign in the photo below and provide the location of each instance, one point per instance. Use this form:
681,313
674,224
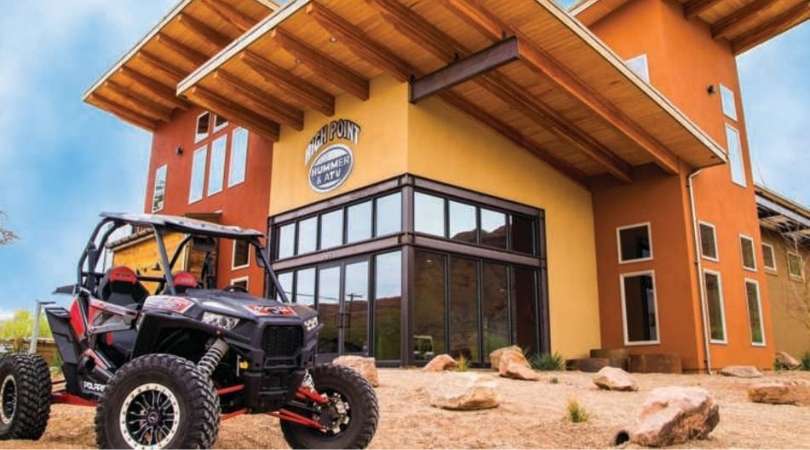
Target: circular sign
331,168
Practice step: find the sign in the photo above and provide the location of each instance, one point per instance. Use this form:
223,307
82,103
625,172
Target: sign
329,167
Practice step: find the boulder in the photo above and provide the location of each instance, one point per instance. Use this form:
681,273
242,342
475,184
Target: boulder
675,415
463,391
614,379
440,363
795,392
366,367
786,361
518,371
495,356
741,372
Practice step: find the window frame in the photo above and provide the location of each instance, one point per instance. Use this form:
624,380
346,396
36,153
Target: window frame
619,230
221,174
724,90
233,257
774,268
640,57
736,132
220,127
623,294
199,137
747,281
245,278
165,168
719,276
231,153
753,252
716,258
204,175
791,275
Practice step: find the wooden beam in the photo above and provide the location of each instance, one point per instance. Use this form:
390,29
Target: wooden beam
293,87
156,88
464,69
698,7
488,25
234,112
421,32
267,105
322,65
139,103
230,14
723,27
358,42
189,54
203,30
167,68
779,24
123,112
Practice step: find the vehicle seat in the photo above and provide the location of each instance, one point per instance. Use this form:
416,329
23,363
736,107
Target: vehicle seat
120,286
184,281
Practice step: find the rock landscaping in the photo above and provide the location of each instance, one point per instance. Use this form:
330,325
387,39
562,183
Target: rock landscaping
785,360
440,363
614,379
463,391
741,372
796,392
364,366
512,363
675,415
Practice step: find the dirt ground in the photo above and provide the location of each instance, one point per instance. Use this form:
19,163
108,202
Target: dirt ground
531,415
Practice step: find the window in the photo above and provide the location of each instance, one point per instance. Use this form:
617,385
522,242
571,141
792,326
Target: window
749,261
714,298
463,223
638,65
240,258
523,234
329,309
195,192
428,214
708,241
332,229
240,282
428,305
305,287
388,306
389,214
795,265
358,222
493,228
286,282
159,192
464,308
239,148
307,235
728,103
216,169
203,124
635,243
639,308
525,312
286,241
495,306
754,312
735,158
768,257
219,122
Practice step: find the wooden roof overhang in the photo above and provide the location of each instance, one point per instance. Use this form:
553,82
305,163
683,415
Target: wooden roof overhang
591,11
140,87
782,215
524,67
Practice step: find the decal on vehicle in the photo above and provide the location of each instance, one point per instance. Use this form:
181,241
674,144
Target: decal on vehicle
93,387
262,310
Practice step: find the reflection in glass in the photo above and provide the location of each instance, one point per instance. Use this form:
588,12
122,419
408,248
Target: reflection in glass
286,282
328,309
463,225
305,287
493,228
639,306
428,308
387,306
389,214
286,241
332,229
523,234
308,235
428,214
714,297
463,309
524,309
635,243
358,222
355,298
495,307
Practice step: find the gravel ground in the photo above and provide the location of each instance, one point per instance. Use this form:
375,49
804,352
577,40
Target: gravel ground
531,415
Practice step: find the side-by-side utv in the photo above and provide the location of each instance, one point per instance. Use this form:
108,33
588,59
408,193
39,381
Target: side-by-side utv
163,367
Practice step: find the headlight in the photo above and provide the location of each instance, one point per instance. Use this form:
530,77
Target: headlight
310,324
219,320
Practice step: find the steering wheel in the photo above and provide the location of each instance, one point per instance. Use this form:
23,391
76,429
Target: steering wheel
235,288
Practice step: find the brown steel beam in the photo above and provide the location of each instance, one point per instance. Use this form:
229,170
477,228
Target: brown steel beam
230,14
140,103
234,112
189,54
267,105
779,24
156,88
201,29
123,112
697,7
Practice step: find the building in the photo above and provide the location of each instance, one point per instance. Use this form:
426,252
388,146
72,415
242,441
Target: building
455,176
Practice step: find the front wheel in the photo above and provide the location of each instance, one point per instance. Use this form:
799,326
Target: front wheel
25,396
349,418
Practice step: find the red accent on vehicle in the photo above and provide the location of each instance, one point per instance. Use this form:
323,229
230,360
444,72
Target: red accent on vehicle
233,414
290,416
185,279
310,394
70,399
230,389
76,322
123,274
108,338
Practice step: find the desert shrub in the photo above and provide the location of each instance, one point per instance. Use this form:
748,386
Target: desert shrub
806,361
554,380
576,412
548,361
462,364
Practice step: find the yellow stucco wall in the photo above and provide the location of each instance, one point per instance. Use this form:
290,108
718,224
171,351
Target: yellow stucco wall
436,141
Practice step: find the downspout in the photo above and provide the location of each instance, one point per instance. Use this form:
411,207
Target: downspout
699,263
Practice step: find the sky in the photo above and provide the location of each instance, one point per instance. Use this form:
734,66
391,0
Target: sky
62,162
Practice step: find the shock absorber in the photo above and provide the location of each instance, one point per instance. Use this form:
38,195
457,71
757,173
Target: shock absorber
212,357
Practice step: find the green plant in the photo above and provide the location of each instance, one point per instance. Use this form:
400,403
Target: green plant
548,361
554,380
462,365
806,361
576,412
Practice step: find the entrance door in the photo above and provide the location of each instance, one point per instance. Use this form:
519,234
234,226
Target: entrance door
343,302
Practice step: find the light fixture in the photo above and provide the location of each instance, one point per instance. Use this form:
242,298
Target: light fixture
179,150
710,89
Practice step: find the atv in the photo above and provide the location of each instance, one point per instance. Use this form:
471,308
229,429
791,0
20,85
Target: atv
163,368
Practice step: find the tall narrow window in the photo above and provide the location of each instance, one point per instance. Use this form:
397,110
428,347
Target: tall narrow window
639,65
388,306
239,149
159,192
240,255
754,312
219,122
525,310
307,235
708,241
639,308
795,265
305,287
428,214
714,298
495,306
195,192
768,257
286,241
635,243
355,301
286,282
216,169
358,222
523,234
749,260
388,218
332,229
428,305
728,103
329,309
735,157
203,125
464,308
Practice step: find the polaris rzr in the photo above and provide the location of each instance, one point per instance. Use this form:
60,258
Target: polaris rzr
164,367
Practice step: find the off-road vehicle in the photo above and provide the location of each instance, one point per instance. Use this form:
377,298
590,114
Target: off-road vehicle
164,367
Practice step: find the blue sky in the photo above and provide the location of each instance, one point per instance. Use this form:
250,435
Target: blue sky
62,162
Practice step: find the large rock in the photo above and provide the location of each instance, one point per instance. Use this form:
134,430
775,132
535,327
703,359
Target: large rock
741,372
781,393
518,371
787,361
495,356
674,415
614,379
440,363
463,391
366,367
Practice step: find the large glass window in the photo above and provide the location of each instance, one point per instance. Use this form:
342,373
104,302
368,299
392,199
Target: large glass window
239,149
708,241
286,241
308,235
358,222
495,306
159,192
493,228
635,243
523,234
332,229
735,157
714,298
640,309
524,309
286,282
355,298
329,308
463,223
464,308
754,312
195,192
749,261
428,214
388,306
216,169
428,306
305,287
389,214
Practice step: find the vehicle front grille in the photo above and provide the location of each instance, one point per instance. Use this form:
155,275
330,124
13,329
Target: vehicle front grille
282,341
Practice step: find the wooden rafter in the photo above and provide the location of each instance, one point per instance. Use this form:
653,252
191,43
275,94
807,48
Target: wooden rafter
227,12
161,65
358,42
698,7
295,88
203,30
186,52
773,27
157,89
139,103
723,27
322,65
234,112
267,105
123,112
488,25
412,26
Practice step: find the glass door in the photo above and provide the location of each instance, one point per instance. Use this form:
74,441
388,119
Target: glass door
343,302
329,288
